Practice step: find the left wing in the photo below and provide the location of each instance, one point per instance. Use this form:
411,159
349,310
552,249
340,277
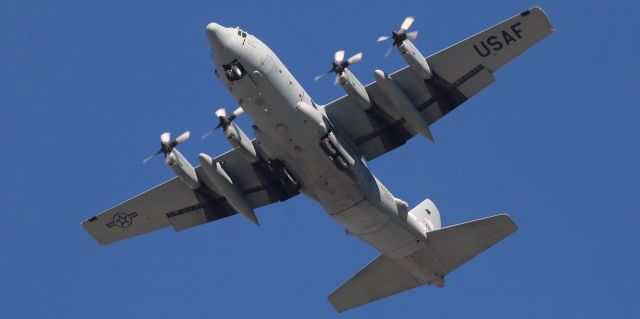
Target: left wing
174,204
460,71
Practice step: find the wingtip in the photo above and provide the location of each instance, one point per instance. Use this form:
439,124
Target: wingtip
334,305
509,219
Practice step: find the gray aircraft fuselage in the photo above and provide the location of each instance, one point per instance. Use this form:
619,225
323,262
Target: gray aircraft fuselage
289,126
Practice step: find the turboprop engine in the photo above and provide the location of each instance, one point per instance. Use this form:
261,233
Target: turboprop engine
347,80
178,163
234,134
408,51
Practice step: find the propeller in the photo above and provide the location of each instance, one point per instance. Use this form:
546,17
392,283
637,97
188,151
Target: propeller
400,35
167,145
225,120
339,64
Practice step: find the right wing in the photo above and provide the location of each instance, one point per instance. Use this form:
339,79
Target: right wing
460,71
174,204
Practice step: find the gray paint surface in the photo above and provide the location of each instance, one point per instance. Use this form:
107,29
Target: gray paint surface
292,150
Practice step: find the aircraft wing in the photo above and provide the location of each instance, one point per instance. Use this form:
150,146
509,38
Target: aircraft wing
174,204
460,71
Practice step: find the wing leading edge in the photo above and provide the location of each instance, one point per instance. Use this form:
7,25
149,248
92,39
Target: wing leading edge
460,71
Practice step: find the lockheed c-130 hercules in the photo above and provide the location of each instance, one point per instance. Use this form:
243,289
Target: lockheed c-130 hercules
321,152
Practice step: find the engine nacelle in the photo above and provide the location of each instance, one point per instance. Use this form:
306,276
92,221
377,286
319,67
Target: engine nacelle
354,89
415,59
424,218
239,139
183,169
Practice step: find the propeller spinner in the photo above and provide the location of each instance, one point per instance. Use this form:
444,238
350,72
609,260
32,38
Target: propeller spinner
339,64
400,35
167,145
225,120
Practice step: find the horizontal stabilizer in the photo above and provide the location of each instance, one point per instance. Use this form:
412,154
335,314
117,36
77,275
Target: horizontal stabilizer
452,246
381,278
445,250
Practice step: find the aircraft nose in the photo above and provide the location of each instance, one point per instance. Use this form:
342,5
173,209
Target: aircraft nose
213,28
216,34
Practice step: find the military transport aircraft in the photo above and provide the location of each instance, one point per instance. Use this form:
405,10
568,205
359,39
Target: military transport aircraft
321,151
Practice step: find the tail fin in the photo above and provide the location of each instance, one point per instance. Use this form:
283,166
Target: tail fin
425,217
445,250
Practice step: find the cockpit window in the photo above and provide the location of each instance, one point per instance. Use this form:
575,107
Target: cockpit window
242,33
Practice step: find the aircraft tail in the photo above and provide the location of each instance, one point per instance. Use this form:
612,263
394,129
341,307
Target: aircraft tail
445,250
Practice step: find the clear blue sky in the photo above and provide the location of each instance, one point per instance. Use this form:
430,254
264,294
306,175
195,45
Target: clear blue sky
86,87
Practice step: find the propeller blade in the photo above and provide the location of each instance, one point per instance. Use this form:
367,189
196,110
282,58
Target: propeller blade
336,80
383,38
412,35
355,58
322,75
406,24
237,112
205,135
388,51
221,112
165,138
338,56
183,137
149,158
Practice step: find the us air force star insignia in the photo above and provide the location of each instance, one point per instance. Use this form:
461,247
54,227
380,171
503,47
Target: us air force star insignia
122,220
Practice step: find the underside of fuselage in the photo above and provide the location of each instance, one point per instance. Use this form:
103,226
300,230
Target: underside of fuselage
287,123
290,127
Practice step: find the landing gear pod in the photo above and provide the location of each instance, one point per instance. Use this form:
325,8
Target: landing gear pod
222,183
337,152
403,104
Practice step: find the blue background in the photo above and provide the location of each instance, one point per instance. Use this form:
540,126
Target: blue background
86,87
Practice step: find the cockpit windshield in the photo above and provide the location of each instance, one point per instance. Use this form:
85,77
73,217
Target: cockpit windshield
241,33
